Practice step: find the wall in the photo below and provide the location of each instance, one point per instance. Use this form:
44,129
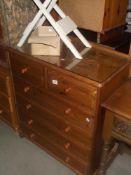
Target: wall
128,18
15,15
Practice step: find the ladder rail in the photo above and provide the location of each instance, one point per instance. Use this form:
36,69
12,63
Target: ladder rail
42,20
63,27
32,24
57,9
59,30
76,31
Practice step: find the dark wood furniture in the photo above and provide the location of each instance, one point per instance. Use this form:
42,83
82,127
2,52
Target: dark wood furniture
119,43
106,17
7,101
1,33
58,101
117,123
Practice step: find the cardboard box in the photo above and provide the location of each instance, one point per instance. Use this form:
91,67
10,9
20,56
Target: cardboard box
45,31
42,49
96,15
44,41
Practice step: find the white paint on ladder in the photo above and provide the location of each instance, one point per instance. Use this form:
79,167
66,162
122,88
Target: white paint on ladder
63,27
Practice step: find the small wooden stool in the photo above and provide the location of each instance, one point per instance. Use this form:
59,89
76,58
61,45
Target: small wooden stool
117,124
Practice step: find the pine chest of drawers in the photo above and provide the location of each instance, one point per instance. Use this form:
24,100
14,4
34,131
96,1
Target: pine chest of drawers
58,101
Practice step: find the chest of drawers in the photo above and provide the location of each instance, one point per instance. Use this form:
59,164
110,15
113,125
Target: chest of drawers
1,34
58,104
7,102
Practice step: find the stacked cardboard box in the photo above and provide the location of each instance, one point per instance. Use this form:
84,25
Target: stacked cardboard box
44,41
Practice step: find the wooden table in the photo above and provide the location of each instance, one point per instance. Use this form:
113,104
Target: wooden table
117,123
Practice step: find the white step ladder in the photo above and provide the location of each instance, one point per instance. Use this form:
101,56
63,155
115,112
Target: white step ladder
63,27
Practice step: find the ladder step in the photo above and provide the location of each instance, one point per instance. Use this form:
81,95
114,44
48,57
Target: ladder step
67,25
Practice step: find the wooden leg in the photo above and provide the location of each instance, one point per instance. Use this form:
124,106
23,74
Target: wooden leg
104,158
96,172
21,135
124,148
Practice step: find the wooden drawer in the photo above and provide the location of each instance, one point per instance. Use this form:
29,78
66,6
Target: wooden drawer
5,114
27,69
122,127
55,150
75,91
43,129
2,54
60,108
5,102
4,84
30,111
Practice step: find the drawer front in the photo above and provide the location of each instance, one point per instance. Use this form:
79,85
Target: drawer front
55,150
6,115
27,69
29,112
2,55
74,91
4,83
122,127
56,137
75,116
5,101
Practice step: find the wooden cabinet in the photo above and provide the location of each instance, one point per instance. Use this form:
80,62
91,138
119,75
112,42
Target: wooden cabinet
1,33
59,106
95,15
7,101
104,19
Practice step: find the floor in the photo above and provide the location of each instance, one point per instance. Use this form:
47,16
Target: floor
18,156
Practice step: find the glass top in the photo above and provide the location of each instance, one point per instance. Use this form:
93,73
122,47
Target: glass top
98,62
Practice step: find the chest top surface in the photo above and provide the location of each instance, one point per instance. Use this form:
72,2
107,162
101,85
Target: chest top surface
120,101
98,63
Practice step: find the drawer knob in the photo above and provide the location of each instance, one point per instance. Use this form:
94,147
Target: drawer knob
94,92
67,111
67,90
55,82
1,111
26,89
28,106
24,70
67,146
67,129
67,159
32,135
88,120
30,122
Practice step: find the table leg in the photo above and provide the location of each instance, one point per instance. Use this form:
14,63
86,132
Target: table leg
104,158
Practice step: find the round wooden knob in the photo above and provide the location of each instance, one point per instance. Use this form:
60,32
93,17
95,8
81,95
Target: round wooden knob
67,159
28,106
67,90
24,70
30,122
95,92
67,129
32,135
67,111
1,111
26,89
67,145
88,120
